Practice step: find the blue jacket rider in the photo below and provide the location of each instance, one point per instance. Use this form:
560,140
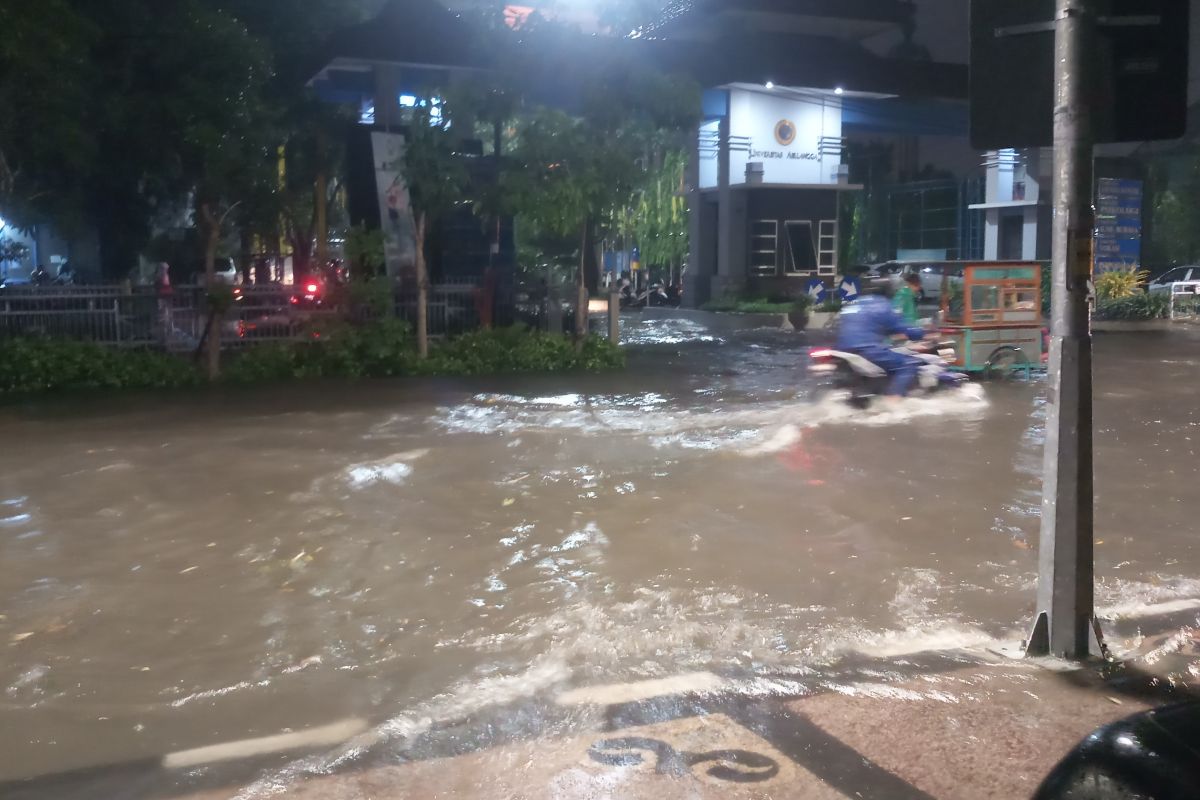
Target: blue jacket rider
864,328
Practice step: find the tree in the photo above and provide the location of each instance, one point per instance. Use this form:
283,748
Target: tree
45,81
436,181
594,169
660,222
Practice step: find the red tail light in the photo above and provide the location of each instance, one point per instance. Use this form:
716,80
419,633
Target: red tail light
311,288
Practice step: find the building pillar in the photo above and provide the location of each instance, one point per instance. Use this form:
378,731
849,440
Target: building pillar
991,235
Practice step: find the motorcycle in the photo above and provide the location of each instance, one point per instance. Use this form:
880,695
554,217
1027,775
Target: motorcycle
862,380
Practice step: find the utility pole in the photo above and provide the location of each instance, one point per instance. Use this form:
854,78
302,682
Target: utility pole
1066,624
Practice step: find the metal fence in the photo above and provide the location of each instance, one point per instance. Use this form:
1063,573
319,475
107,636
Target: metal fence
140,317
1185,301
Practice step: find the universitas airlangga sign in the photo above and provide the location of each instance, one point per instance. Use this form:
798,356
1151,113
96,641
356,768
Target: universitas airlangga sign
784,134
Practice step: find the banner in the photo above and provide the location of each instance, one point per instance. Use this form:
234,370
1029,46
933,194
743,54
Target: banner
395,210
1118,242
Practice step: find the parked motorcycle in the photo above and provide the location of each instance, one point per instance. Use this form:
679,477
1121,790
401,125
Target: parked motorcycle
862,381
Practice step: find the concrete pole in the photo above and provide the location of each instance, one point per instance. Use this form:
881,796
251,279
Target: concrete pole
1066,619
725,238
614,314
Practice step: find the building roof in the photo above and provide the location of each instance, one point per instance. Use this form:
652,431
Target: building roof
847,20
423,33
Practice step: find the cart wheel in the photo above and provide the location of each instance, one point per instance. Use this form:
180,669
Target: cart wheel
1005,363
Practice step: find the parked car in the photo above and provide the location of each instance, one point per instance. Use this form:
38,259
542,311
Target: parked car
931,275
226,273
931,278
1155,754
1164,282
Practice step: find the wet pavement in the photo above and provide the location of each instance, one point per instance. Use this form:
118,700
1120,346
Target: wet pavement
427,577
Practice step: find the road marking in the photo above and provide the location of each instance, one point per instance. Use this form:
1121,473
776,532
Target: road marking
325,736
614,694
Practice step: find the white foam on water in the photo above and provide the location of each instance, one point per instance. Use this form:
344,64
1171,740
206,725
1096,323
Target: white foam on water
394,469
755,428
359,476
1117,598
613,694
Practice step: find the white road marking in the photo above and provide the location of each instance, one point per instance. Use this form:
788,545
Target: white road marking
613,694
325,736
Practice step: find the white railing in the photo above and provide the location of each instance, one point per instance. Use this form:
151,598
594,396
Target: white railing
141,317
1185,301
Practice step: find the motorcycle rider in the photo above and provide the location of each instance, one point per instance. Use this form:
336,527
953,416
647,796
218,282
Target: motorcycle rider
865,328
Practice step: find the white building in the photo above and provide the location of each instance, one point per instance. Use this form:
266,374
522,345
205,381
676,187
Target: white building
765,198
1018,205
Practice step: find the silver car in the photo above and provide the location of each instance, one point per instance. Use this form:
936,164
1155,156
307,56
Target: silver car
1164,282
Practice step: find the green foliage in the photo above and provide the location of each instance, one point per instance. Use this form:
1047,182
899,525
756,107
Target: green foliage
518,350
219,298
364,252
434,174
385,348
759,305
1047,284
370,299
831,306
112,113
1135,307
40,365
1120,283
12,250
660,221
380,349
45,76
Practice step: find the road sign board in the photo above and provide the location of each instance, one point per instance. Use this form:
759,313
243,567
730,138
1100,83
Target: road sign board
1142,64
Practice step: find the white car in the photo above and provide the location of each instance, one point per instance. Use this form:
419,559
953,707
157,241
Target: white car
1164,282
931,279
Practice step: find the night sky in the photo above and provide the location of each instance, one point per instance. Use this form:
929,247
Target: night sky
942,27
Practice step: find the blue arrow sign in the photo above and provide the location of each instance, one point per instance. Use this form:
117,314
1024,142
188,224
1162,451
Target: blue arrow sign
816,291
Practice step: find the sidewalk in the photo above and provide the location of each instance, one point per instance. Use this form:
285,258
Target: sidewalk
947,725
972,731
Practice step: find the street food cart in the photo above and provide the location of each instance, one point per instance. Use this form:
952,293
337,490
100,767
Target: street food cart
994,317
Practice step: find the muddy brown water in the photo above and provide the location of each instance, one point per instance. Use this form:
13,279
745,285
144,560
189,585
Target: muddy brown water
185,570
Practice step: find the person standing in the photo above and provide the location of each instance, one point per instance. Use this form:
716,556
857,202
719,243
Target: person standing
166,301
905,300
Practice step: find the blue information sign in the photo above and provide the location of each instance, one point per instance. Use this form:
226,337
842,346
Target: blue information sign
1118,224
849,289
816,291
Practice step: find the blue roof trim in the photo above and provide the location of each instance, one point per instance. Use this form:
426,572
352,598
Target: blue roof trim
715,103
899,116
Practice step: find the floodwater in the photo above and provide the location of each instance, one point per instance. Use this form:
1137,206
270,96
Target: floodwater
184,571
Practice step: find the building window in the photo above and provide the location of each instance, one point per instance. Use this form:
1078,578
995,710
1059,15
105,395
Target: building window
827,248
764,247
802,247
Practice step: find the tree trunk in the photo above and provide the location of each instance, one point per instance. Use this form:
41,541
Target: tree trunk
322,219
422,291
212,235
581,298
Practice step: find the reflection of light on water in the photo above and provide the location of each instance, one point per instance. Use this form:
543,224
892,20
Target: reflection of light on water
665,331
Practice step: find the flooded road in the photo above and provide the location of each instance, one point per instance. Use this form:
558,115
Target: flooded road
180,572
